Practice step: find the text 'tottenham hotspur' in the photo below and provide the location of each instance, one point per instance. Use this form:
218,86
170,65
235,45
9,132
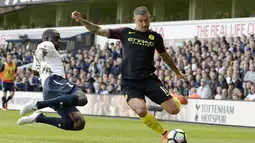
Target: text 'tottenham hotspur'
215,113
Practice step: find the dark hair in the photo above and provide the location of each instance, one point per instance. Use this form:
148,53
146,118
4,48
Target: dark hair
103,84
141,10
53,36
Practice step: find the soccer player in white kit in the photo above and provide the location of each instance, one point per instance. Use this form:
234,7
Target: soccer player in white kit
58,93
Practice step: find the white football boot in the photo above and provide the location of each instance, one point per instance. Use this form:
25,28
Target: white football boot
29,119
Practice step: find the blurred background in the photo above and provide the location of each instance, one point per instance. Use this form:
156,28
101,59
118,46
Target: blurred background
216,65
210,40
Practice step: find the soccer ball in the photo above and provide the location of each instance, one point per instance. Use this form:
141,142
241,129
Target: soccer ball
177,136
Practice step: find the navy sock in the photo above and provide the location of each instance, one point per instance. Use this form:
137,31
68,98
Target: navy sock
3,101
9,98
61,101
63,123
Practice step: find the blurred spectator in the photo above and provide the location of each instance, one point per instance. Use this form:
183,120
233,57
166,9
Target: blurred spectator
214,82
111,89
26,85
204,91
251,96
219,94
238,94
103,89
97,87
193,93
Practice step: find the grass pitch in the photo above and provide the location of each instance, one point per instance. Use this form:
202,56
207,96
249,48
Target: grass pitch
115,130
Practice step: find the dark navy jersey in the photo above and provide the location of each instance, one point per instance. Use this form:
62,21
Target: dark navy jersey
138,51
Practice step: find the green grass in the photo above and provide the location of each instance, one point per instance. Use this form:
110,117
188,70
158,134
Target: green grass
115,130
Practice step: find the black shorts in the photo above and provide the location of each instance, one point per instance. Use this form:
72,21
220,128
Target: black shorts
8,87
56,86
151,87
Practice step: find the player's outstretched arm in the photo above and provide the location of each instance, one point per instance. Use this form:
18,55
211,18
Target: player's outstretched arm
90,26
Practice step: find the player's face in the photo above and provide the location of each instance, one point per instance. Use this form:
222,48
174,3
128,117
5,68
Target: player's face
142,22
8,58
57,42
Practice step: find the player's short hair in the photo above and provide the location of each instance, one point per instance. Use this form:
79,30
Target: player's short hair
141,10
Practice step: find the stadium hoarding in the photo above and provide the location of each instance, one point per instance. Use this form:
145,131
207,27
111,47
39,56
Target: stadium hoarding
218,112
7,3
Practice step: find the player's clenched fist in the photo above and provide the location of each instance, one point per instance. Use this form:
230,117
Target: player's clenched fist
76,16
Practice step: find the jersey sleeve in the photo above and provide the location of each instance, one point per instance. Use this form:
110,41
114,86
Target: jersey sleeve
47,45
160,47
116,33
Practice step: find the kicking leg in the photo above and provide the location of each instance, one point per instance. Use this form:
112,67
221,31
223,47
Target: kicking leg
78,98
63,122
172,106
134,95
139,107
74,121
157,93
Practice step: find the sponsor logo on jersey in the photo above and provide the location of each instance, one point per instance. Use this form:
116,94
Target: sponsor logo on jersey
141,42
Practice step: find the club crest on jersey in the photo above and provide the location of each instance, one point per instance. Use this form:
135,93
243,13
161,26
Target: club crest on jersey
151,37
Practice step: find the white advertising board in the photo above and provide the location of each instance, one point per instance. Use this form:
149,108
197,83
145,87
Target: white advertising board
234,113
238,113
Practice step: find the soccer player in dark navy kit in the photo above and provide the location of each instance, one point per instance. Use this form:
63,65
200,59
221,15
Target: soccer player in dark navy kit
137,67
58,93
